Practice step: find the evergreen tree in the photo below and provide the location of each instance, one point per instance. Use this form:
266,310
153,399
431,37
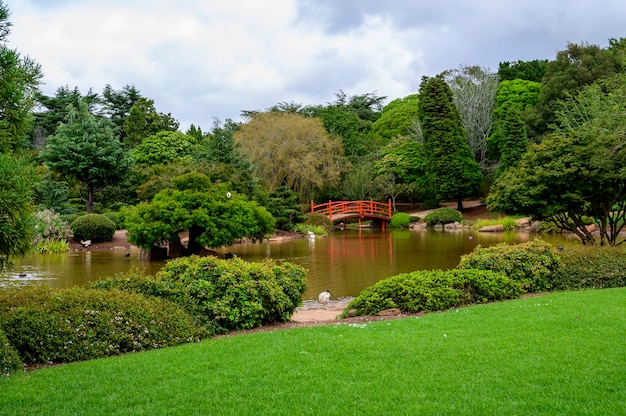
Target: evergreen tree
450,166
283,205
85,148
513,142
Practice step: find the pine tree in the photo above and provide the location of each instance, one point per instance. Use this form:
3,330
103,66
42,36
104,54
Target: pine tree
450,166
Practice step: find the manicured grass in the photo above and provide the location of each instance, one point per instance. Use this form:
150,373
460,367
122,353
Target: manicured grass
561,353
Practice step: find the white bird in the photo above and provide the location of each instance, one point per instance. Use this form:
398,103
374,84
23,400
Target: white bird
85,243
311,235
324,297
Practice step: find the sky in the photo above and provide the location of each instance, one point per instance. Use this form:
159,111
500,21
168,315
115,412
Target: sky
208,60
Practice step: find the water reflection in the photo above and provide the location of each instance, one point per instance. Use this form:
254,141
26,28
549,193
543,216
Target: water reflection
344,262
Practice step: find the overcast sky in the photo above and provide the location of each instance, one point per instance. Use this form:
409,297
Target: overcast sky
205,60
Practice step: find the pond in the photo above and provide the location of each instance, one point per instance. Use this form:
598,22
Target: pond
345,262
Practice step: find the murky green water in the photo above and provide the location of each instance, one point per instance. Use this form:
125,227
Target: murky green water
344,262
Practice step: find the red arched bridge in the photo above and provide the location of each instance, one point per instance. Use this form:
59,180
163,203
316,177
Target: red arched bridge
338,211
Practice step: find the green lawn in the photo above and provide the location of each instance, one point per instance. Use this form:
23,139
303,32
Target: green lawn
562,353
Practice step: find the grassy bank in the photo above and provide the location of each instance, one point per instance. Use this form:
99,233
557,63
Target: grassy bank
561,353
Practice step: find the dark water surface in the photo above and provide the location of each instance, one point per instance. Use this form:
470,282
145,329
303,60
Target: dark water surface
344,262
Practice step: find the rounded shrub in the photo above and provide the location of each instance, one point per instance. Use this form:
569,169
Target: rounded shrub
234,294
50,326
531,264
443,216
400,220
10,361
95,227
434,290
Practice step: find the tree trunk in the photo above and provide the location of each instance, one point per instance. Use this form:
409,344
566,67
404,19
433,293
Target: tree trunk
176,248
459,203
193,247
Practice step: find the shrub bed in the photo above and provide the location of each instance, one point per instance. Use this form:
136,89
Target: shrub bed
233,294
585,267
531,264
46,325
95,227
443,216
10,362
434,290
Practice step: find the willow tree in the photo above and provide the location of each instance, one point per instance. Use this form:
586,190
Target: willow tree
450,166
289,149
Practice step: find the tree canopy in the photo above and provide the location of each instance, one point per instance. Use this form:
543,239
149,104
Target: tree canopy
213,215
292,150
578,171
85,148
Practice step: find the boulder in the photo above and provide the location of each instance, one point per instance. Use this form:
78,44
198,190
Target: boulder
492,228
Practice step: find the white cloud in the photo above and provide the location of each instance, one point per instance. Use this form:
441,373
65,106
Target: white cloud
201,60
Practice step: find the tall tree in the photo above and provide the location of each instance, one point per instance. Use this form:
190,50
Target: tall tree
578,171
85,148
396,120
514,142
143,121
452,171
524,70
53,110
401,165
572,69
20,77
117,105
474,90
17,178
293,150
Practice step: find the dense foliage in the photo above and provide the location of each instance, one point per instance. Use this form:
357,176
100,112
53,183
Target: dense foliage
16,208
585,267
434,290
95,227
46,325
213,216
529,264
10,361
234,294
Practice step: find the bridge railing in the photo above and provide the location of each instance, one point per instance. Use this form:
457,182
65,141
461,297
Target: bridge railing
361,208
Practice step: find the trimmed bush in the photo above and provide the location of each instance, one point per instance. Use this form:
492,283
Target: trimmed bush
10,362
233,294
135,281
443,216
588,267
531,264
401,220
95,227
49,326
434,290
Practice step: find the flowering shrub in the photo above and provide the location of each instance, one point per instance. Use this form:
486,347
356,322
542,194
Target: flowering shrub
49,226
46,325
434,290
